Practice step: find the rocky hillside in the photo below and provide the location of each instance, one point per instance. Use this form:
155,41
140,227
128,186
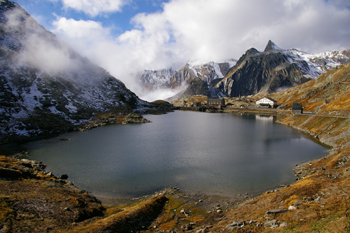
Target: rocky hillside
329,94
46,87
34,200
197,87
276,69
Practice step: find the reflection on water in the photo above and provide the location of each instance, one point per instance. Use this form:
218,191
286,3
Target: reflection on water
213,153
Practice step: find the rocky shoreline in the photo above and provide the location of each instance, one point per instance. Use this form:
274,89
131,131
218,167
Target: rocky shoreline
32,199
111,119
13,144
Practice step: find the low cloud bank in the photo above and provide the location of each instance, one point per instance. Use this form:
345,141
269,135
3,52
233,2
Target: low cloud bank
208,30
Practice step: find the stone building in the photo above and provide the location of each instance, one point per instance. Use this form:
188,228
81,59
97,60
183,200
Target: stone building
297,108
216,102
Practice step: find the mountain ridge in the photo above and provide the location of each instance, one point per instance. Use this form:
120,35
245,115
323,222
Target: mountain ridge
170,79
279,69
273,70
43,78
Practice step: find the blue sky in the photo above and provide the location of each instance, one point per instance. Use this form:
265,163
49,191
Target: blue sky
127,36
46,12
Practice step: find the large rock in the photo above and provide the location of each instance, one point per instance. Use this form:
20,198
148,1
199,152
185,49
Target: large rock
135,118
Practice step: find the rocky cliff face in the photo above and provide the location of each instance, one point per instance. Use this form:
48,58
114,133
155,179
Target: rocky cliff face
46,87
197,87
273,70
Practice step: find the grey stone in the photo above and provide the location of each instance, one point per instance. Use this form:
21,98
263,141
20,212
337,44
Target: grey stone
276,211
234,225
271,224
283,224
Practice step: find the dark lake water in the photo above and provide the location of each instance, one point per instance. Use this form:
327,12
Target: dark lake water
212,153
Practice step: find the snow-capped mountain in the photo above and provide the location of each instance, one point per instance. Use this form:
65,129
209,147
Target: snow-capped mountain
276,69
272,70
46,87
318,63
168,78
154,79
206,72
323,61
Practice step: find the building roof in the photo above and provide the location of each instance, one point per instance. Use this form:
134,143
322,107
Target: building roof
269,99
297,106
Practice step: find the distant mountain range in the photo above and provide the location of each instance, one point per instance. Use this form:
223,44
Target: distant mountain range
272,70
46,87
168,78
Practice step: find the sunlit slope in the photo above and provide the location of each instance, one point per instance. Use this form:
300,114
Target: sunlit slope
329,94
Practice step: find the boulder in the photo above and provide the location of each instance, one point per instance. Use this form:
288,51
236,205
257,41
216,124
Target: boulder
276,211
271,224
63,177
234,225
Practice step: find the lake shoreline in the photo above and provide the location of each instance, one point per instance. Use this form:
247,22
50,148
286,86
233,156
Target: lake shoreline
307,169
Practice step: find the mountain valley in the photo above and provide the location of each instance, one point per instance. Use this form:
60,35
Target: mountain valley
47,88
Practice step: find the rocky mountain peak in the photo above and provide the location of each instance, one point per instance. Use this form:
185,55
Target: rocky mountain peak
271,46
251,52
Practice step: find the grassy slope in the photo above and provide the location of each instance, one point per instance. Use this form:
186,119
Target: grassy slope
329,94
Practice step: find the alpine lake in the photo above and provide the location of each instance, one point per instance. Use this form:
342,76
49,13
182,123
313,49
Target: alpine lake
213,153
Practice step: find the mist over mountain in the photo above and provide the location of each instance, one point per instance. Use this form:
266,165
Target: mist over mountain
154,79
175,82
272,70
46,87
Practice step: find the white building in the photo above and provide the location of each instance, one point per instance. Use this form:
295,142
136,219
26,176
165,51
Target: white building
266,101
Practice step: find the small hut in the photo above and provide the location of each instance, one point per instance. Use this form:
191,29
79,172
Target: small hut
297,108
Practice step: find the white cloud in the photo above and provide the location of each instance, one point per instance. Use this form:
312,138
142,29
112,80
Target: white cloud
209,30
124,56
41,50
93,7
88,31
